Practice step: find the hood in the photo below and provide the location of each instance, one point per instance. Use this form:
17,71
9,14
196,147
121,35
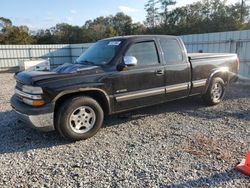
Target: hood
71,68
65,70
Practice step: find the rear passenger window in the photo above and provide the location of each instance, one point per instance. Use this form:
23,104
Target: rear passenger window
145,53
172,51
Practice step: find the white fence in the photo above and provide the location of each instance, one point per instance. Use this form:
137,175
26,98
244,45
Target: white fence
224,42
10,55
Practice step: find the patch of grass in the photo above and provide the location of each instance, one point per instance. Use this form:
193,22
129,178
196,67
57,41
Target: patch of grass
202,145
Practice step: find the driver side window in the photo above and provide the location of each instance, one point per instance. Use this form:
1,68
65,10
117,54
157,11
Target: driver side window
144,52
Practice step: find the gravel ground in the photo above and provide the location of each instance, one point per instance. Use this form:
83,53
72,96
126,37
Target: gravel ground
177,144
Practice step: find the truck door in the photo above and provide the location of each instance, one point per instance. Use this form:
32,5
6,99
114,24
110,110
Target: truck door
177,68
142,84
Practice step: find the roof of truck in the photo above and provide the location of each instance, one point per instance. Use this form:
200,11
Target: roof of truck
140,36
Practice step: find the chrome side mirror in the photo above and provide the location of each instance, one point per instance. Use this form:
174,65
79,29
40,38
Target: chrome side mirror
130,61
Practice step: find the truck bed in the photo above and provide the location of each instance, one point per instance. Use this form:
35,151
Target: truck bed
196,56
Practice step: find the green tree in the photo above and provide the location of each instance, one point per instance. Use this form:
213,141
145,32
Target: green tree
165,10
45,37
10,34
67,34
206,16
99,28
122,24
152,17
16,35
138,29
5,22
109,26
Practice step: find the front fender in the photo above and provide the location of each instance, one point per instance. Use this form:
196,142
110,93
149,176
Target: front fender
99,94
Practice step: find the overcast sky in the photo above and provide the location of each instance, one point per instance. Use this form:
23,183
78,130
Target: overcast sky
41,14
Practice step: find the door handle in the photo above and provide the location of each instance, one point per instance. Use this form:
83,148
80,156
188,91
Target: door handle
159,72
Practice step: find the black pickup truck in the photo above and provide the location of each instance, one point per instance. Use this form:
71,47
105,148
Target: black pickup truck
115,75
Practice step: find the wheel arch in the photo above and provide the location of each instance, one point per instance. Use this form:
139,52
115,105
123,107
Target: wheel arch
99,95
222,72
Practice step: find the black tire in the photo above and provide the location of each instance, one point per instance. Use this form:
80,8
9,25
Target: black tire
215,92
71,122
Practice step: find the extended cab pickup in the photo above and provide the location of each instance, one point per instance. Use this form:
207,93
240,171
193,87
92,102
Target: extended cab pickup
115,75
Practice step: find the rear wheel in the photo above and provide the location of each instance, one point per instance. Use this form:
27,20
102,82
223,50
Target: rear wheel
215,92
79,118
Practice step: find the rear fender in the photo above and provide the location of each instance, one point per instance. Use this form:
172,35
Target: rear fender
222,72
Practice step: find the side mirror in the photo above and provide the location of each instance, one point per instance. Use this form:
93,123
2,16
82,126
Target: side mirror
130,61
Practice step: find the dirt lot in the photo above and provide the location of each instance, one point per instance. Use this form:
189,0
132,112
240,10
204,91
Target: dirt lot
177,144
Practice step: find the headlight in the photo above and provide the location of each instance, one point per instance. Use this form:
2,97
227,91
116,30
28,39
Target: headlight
31,95
27,95
32,90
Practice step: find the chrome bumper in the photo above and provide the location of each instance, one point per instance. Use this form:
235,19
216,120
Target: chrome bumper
44,122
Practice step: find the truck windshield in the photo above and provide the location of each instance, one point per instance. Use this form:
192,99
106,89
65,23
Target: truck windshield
101,53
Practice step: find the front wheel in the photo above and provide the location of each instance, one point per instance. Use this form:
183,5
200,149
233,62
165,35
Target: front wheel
79,118
215,92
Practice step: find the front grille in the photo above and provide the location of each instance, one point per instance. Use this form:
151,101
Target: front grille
19,98
19,85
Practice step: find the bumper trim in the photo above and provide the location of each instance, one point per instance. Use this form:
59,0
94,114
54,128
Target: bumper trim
23,108
43,122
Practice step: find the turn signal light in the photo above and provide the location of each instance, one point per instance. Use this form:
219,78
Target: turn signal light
34,102
38,102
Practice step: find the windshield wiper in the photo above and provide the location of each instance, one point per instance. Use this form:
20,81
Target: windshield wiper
87,62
